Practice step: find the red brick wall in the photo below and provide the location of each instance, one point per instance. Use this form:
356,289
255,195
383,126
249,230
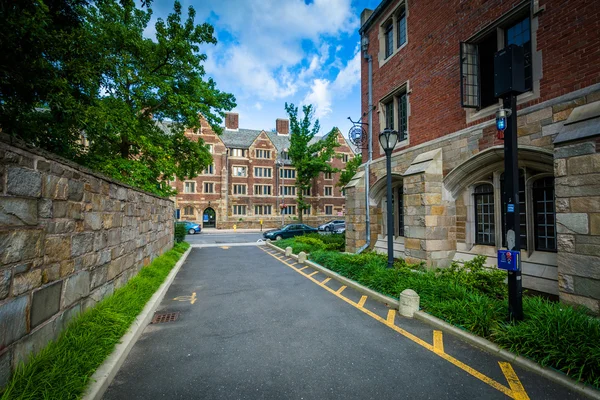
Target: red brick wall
568,37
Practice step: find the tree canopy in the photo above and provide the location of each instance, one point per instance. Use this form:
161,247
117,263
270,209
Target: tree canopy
309,159
351,168
99,77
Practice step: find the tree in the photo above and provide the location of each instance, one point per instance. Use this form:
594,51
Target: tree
309,159
350,171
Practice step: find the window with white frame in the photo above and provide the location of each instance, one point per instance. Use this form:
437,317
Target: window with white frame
239,171
345,158
210,148
285,155
306,211
263,172
265,154
395,110
307,192
485,221
388,38
328,175
289,210
209,170
189,187
239,209
329,210
237,152
262,190
263,209
288,190
477,57
287,173
239,189
209,187
393,32
188,210
328,191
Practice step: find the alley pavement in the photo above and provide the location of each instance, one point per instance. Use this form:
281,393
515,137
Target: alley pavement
252,324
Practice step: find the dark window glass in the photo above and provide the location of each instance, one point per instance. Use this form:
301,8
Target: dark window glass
389,115
522,211
544,214
401,211
389,40
520,35
487,48
401,29
484,215
402,117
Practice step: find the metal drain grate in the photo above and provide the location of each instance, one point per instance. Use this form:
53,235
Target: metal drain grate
165,317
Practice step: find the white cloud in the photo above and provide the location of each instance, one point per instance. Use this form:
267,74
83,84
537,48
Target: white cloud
349,76
258,106
319,97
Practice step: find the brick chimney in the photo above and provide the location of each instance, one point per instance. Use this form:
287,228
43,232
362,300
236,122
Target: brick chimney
282,126
232,121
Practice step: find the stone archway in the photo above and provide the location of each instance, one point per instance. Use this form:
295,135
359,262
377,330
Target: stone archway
209,218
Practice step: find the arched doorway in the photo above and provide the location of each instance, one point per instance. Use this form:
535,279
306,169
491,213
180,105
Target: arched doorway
209,218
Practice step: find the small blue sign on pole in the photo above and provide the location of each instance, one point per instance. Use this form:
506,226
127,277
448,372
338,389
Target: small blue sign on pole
510,208
509,260
205,217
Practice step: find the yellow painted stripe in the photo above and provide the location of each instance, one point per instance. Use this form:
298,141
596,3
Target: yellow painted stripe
438,342
300,269
325,281
515,384
362,301
391,318
471,371
314,273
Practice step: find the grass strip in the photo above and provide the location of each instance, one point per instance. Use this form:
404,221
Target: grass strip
64,367
553,334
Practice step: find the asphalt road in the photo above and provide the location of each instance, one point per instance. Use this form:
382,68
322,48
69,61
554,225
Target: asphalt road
222,238
253,327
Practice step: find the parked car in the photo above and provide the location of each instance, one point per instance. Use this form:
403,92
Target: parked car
191,227
332,225
341,229
288,231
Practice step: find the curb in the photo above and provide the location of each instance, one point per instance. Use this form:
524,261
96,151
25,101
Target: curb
474,340
104,375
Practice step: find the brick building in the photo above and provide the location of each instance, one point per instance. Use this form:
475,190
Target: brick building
251,177
448,167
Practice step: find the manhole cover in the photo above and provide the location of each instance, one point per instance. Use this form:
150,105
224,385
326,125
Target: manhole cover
165,317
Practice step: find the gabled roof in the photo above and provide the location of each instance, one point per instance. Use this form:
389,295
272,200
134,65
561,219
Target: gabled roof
241,138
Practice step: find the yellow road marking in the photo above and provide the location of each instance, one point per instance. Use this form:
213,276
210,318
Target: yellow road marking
515,384
438,342
325,281
224,247
362,301
191,299
302,268
311,274
391,317
471,371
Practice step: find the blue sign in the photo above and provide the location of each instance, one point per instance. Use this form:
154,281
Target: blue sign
205,217
509,260
510,208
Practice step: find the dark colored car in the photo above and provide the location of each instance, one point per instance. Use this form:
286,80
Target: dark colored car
333,225
191,227
289,231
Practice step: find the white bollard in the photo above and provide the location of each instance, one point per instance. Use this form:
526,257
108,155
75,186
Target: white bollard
288,251
409,303
301,257
268,240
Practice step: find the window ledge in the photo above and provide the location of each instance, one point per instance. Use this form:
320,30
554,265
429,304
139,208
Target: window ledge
385,60
473,116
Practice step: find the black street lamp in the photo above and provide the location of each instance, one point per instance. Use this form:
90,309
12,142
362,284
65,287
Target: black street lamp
388,139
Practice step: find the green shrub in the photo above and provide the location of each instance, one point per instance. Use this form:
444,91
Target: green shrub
180,232
475,275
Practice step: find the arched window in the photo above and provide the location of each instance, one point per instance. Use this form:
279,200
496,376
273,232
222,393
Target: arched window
544,214
188,210
484,215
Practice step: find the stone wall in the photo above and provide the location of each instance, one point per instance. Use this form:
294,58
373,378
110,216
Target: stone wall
68,238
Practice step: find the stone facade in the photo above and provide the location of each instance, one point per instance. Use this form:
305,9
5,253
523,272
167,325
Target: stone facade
448,170
68,238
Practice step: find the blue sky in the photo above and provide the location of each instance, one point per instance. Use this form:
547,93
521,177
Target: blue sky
274,51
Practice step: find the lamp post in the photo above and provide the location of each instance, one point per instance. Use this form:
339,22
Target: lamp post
388,139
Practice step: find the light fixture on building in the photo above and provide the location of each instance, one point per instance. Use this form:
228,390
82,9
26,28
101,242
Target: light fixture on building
388,139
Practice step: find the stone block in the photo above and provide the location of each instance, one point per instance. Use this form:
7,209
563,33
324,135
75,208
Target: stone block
58,248
585,204
562,115
82,243
99,276
59,209
55,187
562,205
592,304
565,283
572,223
46,303
587,287
5,367
410,243
588,249
560,167
432,199
93,221
574,150
552,129
63,320
33,343
5,276
26,281
13,315
99,294
75,190
75,287
438,210
595,224
24,182
51,273
539,115
566,243
16,211
85,261
45,208
586,164
74,211
529,129
585,266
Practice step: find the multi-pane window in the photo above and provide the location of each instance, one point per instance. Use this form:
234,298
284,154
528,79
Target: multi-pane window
289,210
520,35
209,170
262,172
389,115
263,153
401,28
287,173
237,153
328,191
388,37
288,190
239,189
210,148
306,192
285,155
209,187
239,171
345,158
484,215
262,190
328,210
402,117
189,187
544,214
400,211
239,209
328,175
306,211
188,210
263,209
522,210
